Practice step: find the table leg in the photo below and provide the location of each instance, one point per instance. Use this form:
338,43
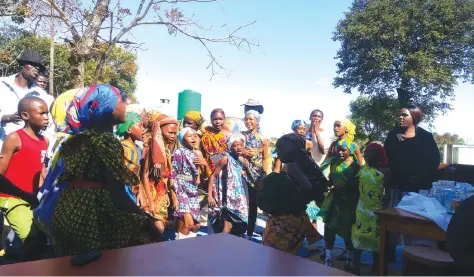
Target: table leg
383,246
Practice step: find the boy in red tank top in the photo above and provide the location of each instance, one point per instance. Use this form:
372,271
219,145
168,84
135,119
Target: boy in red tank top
23,158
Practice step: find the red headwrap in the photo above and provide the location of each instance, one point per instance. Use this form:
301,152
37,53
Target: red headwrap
382,155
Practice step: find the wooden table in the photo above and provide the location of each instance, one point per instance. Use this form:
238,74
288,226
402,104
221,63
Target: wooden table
220,254
399,221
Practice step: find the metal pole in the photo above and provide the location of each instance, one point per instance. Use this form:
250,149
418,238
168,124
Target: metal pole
51,56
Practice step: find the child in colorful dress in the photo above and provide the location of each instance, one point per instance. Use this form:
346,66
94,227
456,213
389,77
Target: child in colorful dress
366,229
338,209
131,131
184,178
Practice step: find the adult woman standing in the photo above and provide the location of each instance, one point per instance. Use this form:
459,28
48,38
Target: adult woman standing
320,139
412,154
157,169
256,151
214,139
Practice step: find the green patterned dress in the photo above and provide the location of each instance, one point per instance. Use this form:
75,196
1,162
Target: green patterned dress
338,208
366,230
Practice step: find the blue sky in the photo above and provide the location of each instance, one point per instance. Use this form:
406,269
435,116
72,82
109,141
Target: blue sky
290,73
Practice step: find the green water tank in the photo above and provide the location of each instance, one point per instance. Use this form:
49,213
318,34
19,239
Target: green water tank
188,100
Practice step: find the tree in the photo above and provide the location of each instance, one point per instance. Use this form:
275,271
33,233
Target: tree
414,49
119,70
374,117
111,23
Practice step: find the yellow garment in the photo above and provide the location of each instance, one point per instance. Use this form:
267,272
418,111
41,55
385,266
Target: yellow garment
61,104
195,116
350,129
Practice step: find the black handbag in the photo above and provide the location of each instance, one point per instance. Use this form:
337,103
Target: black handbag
239,226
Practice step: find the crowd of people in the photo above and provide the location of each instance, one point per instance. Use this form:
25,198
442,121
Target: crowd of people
101,173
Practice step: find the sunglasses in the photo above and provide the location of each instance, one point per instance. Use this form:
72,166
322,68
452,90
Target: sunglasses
36,66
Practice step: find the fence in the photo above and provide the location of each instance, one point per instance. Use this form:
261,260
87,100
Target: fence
459,154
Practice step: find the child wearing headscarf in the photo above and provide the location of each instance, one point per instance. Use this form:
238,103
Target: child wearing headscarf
157,168
345,130
338,209
256,151
366,229
184,181
132,131
234,167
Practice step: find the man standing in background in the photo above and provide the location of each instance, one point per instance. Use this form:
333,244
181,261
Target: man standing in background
15,87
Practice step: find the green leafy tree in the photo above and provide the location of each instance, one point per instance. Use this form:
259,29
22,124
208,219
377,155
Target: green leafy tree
120,69
415,50
374,117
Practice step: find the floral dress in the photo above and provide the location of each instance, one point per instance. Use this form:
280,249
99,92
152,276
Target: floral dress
236,194
338,208
366,230
255,141
184,174
213,144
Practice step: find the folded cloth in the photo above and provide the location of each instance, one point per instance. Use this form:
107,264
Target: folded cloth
426,207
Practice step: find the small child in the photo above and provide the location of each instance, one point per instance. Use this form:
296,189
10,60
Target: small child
132,131
184,181
24,153
366,229
338,208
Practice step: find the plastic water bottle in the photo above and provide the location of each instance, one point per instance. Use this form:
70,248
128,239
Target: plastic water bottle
449,196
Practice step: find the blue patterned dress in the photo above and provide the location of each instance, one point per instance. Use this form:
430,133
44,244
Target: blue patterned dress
184,174
255,141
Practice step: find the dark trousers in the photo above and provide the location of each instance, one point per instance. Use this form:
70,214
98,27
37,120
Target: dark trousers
253,210
330,238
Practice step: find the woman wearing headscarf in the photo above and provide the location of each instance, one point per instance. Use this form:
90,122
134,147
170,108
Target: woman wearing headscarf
256,151
132,131
230,171
87,181
285,196
338,209
157,168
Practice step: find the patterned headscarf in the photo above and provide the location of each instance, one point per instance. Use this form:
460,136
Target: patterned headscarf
183,132
89,106
61,105
234,138
347,143
382,155
157,157
87,154
151,117
256,114
196,117
350,128
297,123
131,119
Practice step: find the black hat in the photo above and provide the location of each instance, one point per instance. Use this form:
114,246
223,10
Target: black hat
31,57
